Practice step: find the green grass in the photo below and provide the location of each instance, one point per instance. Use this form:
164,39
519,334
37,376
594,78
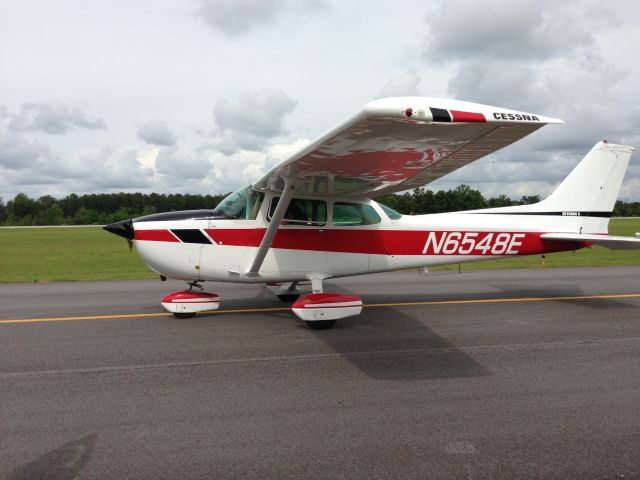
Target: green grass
90,253
67,254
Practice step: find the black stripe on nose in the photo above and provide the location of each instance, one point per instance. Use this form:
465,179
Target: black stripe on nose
190,235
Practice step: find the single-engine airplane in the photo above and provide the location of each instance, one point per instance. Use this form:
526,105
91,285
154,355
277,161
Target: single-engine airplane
312,218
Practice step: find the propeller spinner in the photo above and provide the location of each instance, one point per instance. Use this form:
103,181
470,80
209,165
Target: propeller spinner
123,229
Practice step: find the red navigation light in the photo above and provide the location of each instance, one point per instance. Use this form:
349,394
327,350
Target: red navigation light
605,141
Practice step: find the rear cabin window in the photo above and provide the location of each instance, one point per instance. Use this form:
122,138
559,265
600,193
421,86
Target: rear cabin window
302,211
348,214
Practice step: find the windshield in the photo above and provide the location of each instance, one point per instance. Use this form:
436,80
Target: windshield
243,204
391,213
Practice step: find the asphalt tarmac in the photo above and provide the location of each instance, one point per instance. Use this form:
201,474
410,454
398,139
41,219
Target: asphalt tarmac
487,374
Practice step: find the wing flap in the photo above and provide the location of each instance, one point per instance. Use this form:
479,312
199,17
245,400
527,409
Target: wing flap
608,241
399,143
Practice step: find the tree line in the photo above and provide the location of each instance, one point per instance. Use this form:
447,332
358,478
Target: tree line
104,208
96,208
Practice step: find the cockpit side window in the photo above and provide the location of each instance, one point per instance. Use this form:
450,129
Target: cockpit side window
243,204
302,211
350,214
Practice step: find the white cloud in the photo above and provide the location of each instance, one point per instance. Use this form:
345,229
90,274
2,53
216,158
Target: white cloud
227,173
181,165
172,169
404,85
237,17
545,57
115,169
156,132
516,31
102,169
572,60
252,120
17,152
53,118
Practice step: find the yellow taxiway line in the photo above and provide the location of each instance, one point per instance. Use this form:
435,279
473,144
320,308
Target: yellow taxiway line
371,305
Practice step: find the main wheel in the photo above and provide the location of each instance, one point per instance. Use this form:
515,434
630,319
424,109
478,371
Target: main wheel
320,324
288,297
184,314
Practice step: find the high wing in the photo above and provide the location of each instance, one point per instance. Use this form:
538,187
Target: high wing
396,144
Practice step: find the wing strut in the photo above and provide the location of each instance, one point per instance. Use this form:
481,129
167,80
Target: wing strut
272,229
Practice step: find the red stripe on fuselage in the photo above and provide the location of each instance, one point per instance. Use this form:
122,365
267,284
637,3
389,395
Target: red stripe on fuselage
390,242
155,235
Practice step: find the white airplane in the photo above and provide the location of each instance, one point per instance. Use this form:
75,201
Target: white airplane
311,217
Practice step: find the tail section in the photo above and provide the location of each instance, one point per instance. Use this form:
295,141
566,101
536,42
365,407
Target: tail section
594,184
584,201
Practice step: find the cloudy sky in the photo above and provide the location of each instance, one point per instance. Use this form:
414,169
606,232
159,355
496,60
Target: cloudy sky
203,96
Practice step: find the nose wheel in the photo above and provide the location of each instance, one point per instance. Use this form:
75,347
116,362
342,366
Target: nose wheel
187,303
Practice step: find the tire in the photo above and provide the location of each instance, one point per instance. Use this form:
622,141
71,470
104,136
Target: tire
288,297
185,315
320,324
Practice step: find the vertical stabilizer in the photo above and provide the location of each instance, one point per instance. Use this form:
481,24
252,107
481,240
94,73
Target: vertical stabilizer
594,184
590,191
584,200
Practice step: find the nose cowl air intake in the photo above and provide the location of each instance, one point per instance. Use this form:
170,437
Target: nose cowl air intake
123,229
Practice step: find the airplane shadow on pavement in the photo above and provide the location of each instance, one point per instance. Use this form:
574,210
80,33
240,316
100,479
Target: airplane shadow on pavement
386,344
63,463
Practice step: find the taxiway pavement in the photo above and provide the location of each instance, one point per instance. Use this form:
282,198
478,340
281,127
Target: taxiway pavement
500,374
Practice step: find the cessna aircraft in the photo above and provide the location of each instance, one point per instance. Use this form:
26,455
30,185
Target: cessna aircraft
311,217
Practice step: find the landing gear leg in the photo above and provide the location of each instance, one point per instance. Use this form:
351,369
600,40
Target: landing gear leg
289,293
316,280
195,285
316,288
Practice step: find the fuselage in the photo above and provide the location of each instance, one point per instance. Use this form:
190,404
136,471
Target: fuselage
336,237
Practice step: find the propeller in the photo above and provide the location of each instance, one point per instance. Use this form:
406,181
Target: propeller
123,229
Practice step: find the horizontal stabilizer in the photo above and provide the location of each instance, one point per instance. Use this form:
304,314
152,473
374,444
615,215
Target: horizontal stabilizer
608,241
